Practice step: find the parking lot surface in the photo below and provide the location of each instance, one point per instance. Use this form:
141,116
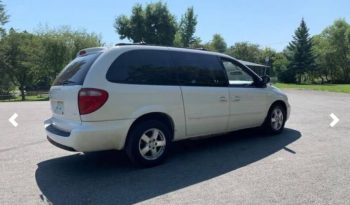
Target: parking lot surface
308,163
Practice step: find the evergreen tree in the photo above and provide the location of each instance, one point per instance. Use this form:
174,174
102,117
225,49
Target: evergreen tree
3,19
302,59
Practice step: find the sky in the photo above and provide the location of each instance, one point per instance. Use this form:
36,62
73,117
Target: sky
269,23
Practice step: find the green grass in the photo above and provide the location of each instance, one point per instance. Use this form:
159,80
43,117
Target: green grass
28,98
341,88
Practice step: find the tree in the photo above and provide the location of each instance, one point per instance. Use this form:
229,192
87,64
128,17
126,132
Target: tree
253,53
187,28
245,51
324,62
5,83
54,55
302,59
153,25
58,47
133,28
217,44
32,61
332,47
6,86
283,73
19,51
4,18
268,57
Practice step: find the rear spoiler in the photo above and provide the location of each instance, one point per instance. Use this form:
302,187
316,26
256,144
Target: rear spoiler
87,51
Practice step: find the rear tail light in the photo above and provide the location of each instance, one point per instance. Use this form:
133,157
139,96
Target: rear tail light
91,99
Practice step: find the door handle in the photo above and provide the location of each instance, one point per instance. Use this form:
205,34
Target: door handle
223,99
236,99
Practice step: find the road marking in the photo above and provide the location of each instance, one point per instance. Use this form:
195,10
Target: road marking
335,120
12,120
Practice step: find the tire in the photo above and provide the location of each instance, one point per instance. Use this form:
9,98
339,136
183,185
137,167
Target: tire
148,143
275,120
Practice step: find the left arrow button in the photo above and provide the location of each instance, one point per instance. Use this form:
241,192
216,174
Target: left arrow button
12,119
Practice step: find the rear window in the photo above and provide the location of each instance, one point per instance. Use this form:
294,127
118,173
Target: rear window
148,67
75,72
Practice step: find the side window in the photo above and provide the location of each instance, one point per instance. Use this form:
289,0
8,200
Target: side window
196,69
150,67
236,75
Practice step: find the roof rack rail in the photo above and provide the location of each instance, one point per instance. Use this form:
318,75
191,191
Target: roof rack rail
201,48
144,43
128,44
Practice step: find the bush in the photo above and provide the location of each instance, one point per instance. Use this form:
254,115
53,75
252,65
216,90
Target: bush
6,88
287,76
6,94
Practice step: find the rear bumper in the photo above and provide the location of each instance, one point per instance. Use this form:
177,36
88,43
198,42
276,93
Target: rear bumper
60,145
89,136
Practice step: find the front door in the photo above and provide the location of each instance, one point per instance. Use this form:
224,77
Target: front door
248,103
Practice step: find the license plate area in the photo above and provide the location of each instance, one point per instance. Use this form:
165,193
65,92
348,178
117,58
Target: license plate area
58,107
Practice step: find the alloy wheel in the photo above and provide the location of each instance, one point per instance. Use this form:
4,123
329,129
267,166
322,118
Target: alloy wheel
277,119
152,144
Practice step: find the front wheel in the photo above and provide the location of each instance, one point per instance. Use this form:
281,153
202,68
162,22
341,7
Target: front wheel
275,120
148,143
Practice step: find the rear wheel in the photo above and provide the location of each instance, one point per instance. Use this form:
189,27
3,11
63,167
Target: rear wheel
275,120
148,143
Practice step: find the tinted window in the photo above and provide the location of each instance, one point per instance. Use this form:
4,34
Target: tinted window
237,75
75,72
150,67
199,69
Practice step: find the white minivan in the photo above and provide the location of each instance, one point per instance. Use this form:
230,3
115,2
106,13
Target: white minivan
141,98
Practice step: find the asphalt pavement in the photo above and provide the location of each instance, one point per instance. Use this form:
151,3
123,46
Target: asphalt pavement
308,163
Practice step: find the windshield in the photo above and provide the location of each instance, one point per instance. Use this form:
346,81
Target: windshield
75,72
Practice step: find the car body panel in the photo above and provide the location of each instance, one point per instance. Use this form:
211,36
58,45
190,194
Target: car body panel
248,107
206,109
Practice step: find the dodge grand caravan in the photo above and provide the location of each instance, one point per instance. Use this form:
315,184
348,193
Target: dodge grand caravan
141,98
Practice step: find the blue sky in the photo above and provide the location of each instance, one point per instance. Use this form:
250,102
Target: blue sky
269,23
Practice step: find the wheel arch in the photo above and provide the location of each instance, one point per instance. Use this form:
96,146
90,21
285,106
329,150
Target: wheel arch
278,102
160,116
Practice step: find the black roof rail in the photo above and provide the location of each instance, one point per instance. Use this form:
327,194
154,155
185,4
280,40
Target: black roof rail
144,43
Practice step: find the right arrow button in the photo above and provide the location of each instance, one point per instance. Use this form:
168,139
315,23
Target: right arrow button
335,120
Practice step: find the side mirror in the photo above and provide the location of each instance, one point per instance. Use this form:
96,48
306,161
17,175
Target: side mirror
265,79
